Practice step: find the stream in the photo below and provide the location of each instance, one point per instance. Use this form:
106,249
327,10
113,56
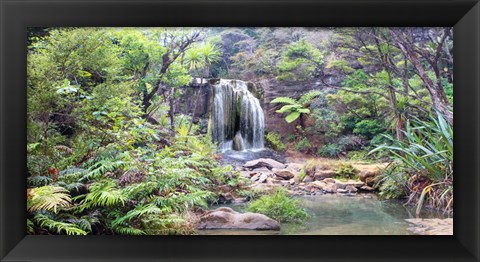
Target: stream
363,214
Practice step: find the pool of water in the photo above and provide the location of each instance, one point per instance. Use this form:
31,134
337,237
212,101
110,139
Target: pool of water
363,214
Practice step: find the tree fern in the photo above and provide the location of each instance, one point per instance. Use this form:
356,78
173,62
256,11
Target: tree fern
296,108
48,198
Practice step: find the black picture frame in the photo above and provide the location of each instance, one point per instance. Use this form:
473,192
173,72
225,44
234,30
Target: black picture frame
16,16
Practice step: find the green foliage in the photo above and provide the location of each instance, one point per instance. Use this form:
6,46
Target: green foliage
330,150
274,140
280,207
102,194
301,175
303,144
58,227
368,128
392,184
346,170
300,61
296,108
49,198
428,152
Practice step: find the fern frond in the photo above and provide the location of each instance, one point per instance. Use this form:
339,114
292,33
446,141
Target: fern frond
102,194
284,100
128,230
292,117
308,97
100,168
38,181
289,108
142,210
58,227
71,175
140,190
48,198
30,227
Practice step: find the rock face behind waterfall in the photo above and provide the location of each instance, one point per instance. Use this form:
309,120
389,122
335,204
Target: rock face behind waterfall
237,117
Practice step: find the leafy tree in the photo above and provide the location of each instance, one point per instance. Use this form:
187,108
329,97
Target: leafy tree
300,61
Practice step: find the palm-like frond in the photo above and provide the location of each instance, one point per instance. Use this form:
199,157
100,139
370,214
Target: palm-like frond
48,198
58,227
308,97
284,100
102,194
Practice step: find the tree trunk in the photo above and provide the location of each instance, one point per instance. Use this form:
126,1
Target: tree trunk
172,111
439,103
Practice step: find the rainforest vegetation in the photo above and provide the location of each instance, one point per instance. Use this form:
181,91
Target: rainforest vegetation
120,136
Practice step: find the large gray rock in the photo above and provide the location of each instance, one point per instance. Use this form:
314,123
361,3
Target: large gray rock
227,218
264,162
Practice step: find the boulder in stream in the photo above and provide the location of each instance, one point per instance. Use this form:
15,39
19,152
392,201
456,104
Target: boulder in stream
264,162
227,218
284,173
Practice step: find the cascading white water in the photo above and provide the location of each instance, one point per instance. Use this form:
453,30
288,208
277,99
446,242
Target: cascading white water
237,118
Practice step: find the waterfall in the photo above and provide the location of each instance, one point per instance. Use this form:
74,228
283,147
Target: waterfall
237,117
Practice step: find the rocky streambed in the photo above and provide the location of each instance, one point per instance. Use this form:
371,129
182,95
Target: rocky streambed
267,174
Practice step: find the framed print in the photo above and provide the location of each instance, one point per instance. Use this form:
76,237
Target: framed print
239,130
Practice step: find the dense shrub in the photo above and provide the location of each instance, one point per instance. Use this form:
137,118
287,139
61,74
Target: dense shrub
427,155
368,128
280,207
303,145
330,150
346,170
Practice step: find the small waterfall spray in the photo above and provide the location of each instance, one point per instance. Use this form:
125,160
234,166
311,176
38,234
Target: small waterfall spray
237,118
